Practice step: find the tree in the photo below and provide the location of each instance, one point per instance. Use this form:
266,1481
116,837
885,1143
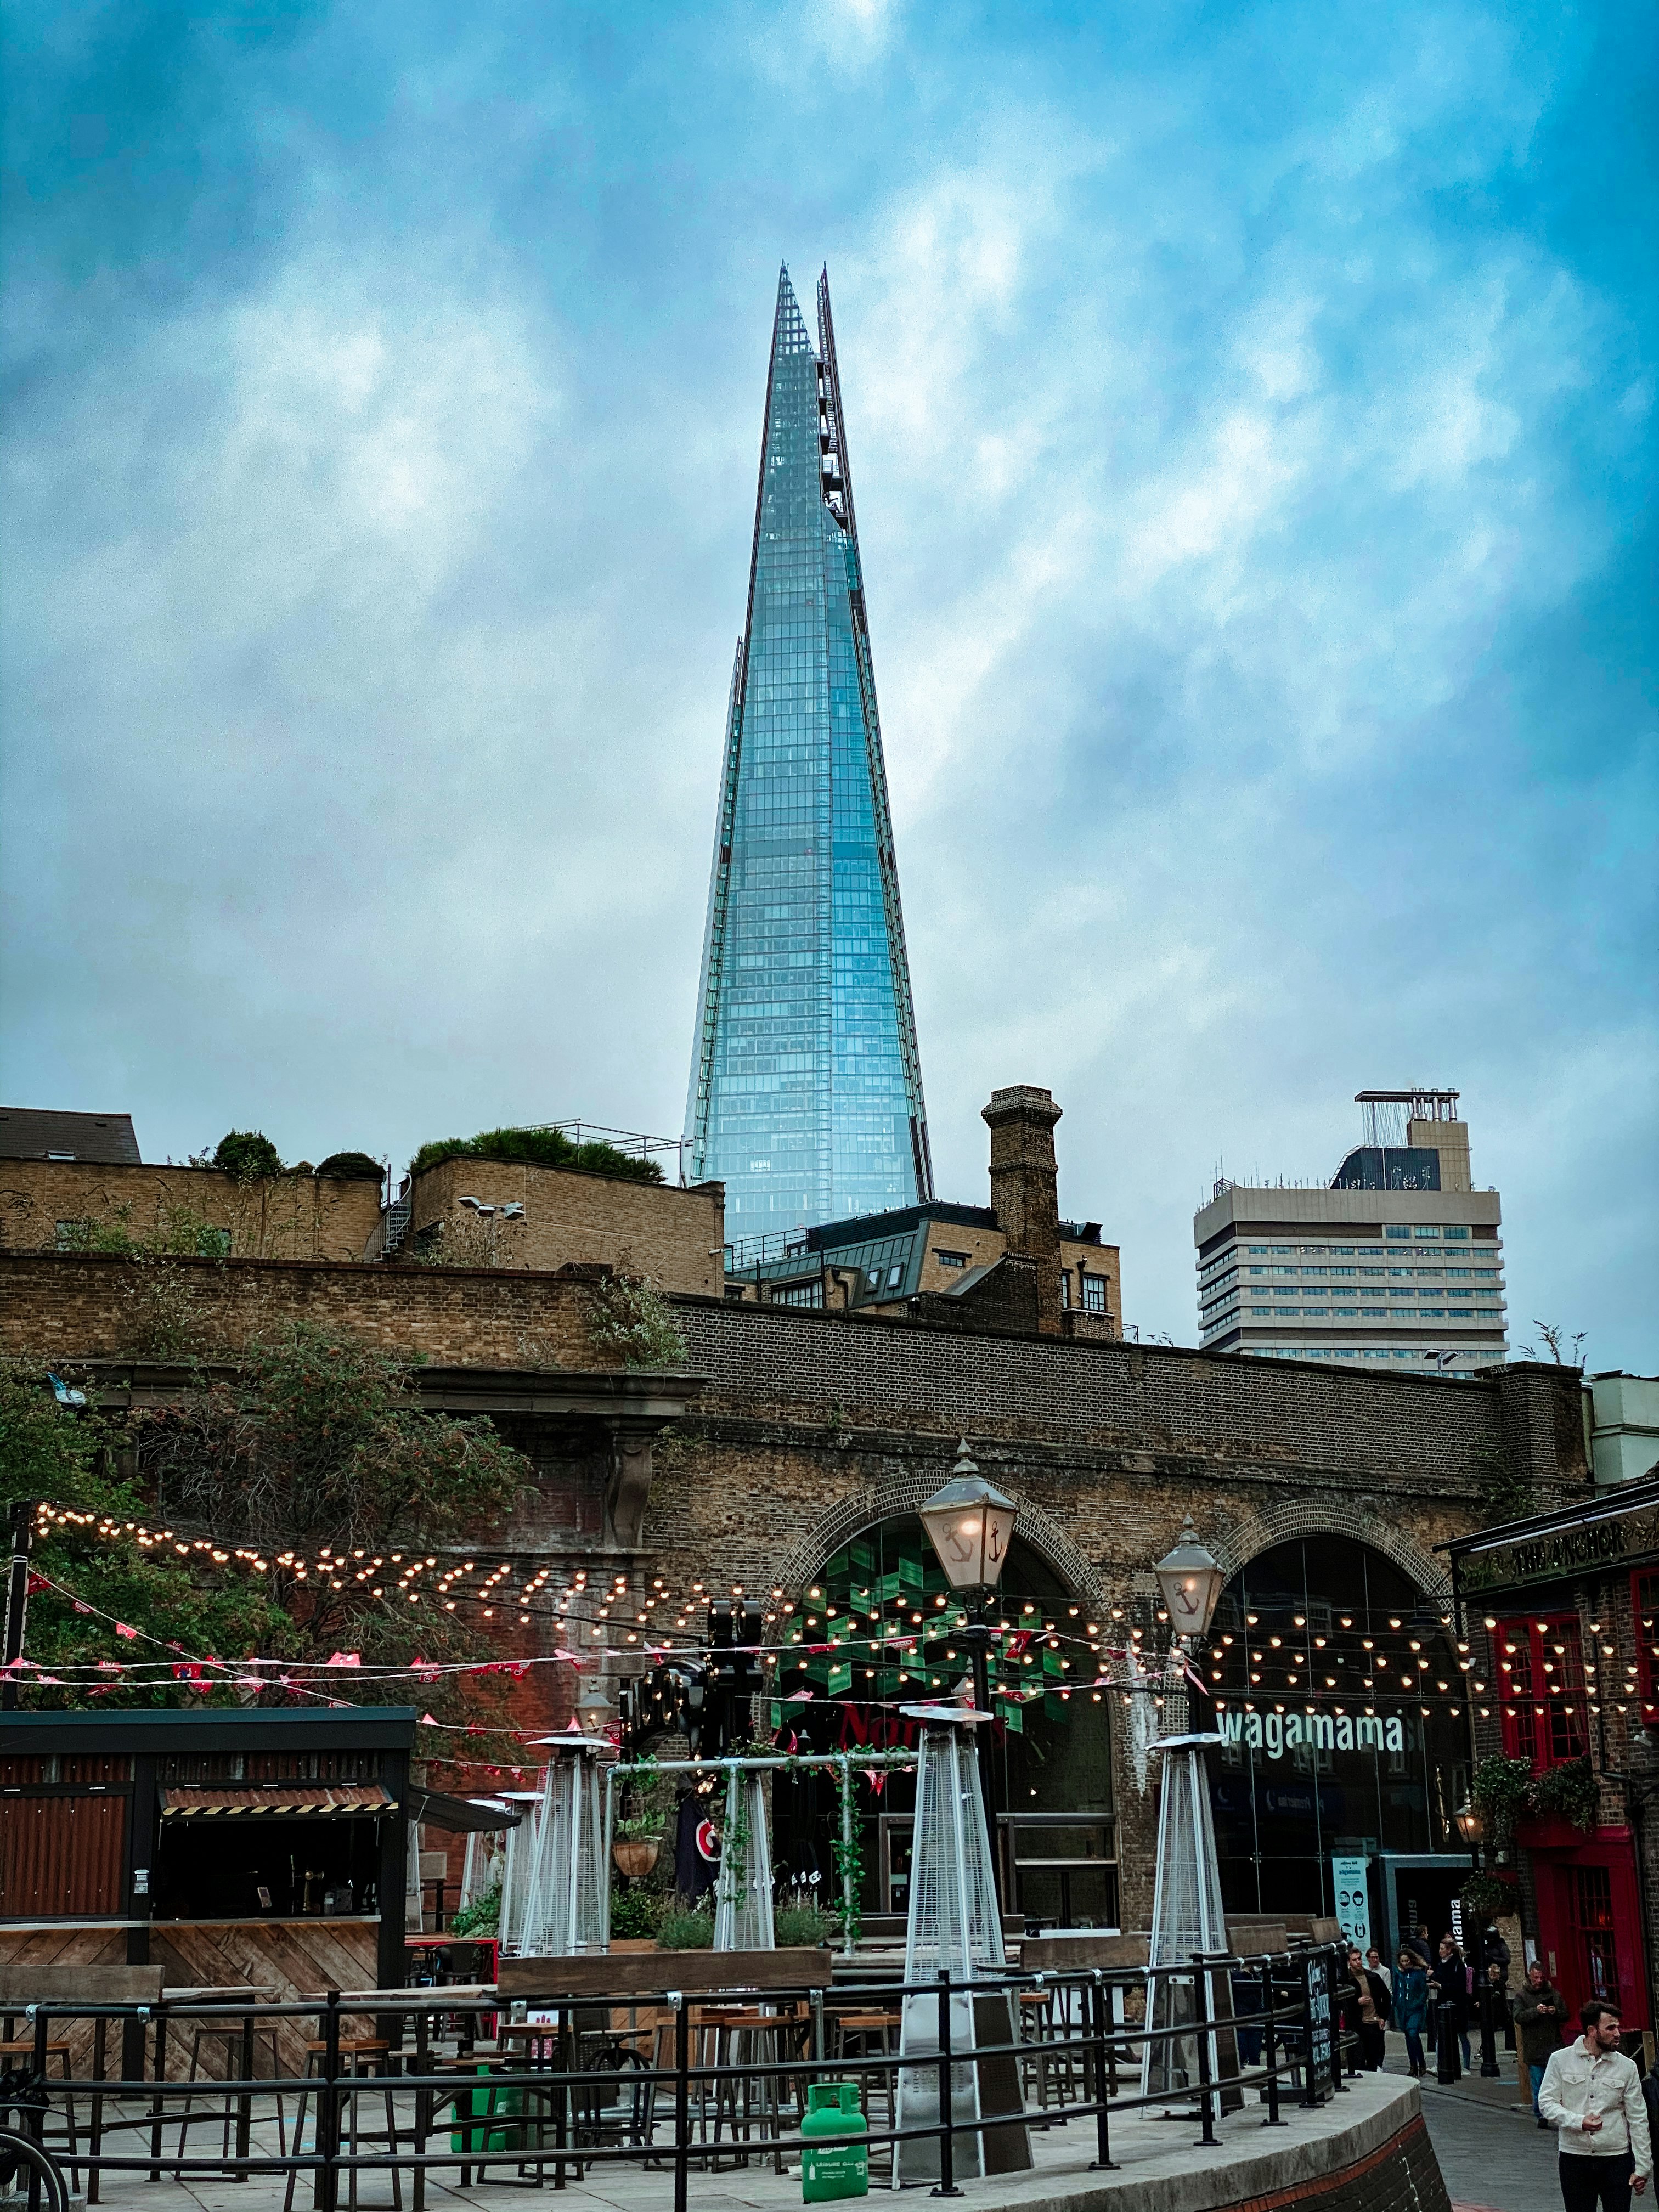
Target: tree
53,1454
246,1153
313,1445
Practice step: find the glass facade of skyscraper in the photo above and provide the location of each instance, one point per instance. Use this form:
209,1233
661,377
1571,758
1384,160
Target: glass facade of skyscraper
805,1093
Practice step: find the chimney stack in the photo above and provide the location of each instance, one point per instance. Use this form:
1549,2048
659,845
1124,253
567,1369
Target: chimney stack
1025,1187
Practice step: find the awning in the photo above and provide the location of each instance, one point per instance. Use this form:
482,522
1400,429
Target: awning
357,1800
459,1816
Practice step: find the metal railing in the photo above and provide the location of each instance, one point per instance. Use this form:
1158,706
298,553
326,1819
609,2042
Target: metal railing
582,2094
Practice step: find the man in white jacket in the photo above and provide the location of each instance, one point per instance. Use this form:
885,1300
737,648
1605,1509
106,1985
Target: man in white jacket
1592,2094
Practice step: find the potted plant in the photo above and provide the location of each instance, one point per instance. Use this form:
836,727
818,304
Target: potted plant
635,1845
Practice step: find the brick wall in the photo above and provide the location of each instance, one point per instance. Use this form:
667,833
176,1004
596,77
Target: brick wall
1283,1410
673,1236
63,1306
286,1217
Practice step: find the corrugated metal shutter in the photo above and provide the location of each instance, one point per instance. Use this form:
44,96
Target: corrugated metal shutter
62,1857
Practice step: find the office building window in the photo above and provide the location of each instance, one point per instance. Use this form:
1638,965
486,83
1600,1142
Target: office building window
951,1259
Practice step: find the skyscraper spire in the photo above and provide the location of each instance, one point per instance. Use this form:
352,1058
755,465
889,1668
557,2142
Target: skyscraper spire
805,1094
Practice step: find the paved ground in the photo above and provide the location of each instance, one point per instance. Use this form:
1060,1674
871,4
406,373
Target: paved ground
1494,2153
1160,2169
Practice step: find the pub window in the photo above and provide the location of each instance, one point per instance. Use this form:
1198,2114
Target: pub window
1540,1678
1644,1616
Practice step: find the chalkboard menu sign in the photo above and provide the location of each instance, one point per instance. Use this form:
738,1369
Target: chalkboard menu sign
1316,1966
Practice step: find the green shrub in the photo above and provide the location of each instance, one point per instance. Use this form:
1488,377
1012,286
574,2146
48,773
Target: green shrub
683,1930
351,1166
636,1913
246,1153
801,1924
481,1918
1568,1792
628,1316
546,1148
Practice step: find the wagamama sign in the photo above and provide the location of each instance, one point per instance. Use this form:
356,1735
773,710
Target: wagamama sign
1278,1733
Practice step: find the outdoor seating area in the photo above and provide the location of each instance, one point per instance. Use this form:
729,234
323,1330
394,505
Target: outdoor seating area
569,2067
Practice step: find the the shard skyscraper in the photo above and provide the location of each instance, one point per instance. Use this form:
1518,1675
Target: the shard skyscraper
805,1093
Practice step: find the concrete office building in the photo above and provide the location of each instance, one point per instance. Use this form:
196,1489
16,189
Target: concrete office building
1399,1259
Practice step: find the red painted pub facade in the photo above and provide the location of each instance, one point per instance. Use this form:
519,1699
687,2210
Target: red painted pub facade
1568,1606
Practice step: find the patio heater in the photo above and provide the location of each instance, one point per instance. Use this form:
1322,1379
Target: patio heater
743,1890
1187,1909
569,1906
518,1867
954,1928
970,1526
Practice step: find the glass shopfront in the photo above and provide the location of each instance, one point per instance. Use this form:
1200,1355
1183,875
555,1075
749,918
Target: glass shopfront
1340,1693
880,1629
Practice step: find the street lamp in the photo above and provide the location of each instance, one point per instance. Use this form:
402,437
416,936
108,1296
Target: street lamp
1190,1579
970,1526
594,1711
1470,1825
1188,1916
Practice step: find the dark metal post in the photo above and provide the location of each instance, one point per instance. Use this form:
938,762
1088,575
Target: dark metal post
1447,2066
682,2096
1489,2069
947,2149
245,2101
1201,2016
1102,2162
37,2123
1270,2045
17,1601
158,2102
328,2110
1333,1952
979,1645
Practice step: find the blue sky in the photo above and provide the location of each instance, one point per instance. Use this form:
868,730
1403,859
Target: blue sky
1251,417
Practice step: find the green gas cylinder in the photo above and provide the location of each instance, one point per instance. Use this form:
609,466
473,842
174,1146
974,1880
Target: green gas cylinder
841,2169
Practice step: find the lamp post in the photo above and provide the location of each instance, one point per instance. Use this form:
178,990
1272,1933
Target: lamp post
970,1526
594,1711
1186,1908
1473,1828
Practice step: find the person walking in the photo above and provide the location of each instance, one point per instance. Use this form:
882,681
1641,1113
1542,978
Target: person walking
1411,2006
1370,2007
1451,1977
1422,1946
1591,2095
1374,1963
1540,2009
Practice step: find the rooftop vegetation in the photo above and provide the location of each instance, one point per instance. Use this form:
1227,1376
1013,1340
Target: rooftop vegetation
541,1148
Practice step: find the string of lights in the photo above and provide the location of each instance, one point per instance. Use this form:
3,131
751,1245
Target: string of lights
1388,1659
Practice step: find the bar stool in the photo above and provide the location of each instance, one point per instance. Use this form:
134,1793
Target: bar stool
17,2059
362,2057
873,2032
1038,2018
757,2039
233,2040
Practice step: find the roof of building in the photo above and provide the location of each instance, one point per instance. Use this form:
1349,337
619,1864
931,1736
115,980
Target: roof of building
29,1132
353,1728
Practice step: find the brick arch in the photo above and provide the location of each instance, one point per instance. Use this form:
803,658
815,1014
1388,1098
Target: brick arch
886,1499
1234,1547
